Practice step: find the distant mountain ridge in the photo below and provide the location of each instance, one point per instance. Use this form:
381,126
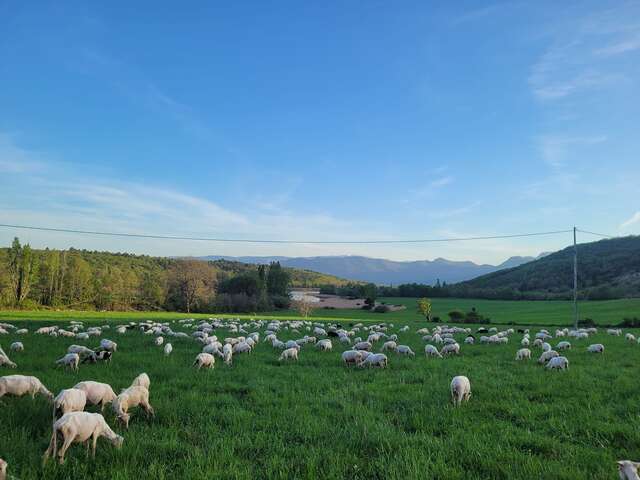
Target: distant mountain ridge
385,272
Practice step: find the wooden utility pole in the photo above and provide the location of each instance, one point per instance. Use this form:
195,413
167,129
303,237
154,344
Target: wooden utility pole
575,280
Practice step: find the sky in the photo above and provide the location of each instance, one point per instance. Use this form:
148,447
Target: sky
334,120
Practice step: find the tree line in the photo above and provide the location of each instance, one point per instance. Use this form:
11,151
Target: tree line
82,279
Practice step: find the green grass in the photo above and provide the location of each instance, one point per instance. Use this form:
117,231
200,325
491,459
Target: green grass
317,419
608,312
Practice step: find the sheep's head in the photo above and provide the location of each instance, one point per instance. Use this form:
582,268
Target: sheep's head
124,418
117,441
626,468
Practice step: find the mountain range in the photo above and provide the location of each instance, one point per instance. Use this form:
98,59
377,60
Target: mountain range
386,272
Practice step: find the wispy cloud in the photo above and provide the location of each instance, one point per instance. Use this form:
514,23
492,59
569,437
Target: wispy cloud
634,220
442,213
556,150
441,182
14,159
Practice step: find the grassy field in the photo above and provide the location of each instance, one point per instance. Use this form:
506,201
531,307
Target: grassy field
610,312
317,419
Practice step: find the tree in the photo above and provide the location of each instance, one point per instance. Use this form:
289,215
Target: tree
278,280
369,292
303,307
424,307
22,265
191,282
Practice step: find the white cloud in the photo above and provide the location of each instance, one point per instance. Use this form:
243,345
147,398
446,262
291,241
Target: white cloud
557,150
441,182
635,219
442,213
16,160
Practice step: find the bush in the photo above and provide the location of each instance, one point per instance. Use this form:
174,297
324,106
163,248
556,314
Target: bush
456,315
381,309
630,323
587,322
281,301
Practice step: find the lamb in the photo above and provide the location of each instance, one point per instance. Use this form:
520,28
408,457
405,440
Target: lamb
352,357
563,346
324,345
405,350
204,360
374,360
560,363
129,398
289,353
596,348
17,347
141,380
71,360
79,427
450,348
548,355
431,351
627,470
69,400
97,393
168,348
19,385
460,390
523,354
390,345
102,356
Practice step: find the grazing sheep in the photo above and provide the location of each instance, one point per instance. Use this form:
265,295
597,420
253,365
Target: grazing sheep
469,340
130,398
596,348
352,357
628,470
390,345
97,393
159,341
204,360
450,348
108,345
523,354
101,356
141,380
289,353
460,390
80,350
405,350
69,400
242,347
614,331
363,346
324,345
71,360
3,469
168,348
546,347
79,427
227,354
524,342
4,361
374,360
560,363
431,351
18,385
546,356
630,337
17,347
563,346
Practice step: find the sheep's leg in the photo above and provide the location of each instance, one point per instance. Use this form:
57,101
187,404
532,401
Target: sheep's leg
52,449
95,442
68,440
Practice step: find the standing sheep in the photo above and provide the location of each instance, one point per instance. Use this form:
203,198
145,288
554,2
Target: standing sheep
204,360
559,363
450,348
628,470
19,385
405,350
523,354
141,380
129,398
17,347
71,360
460,390
97,393
350,357
595,348
79,427
375,360
289,354
431,351
168,348
69,400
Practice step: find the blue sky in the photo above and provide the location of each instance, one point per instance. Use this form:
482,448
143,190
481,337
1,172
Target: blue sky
320,120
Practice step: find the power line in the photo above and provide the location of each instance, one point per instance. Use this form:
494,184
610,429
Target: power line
596,234
244,240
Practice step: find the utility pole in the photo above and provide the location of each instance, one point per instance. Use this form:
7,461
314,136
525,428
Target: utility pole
575,280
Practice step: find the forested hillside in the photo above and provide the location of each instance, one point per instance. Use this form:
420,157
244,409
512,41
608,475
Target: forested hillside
82,279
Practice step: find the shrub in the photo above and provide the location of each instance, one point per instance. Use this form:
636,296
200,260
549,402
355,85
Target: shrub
381,309
587,322
456,315
630,323
281,301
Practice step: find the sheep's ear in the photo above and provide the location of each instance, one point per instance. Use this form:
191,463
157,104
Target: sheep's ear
620,464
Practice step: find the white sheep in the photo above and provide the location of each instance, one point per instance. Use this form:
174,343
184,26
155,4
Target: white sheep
142,380
69,400
227,354
324,345
363,346
450,348
17,347
352,357
390,345
158,341
108,345
595,348
560,363
374,360
130,398
79,427
71,360
548,355
564,345
19,385
524,342
431,351
628,470
3,469
523,354
469,340
5,361
242,347
405,350
204,360
97,393
168,348
546,347
460,389
614,331
630,337
289,353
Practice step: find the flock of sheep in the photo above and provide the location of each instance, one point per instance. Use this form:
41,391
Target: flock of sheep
71,424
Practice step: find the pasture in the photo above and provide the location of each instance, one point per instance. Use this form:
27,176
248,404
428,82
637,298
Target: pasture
317,419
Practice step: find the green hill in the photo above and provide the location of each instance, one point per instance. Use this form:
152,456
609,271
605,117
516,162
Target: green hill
607,269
